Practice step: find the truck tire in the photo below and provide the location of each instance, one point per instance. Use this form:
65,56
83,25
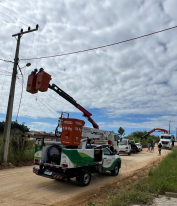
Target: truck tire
129,153
115,171
84,179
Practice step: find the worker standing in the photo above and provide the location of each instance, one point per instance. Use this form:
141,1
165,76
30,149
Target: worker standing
149,146
152,146
159,148
173,141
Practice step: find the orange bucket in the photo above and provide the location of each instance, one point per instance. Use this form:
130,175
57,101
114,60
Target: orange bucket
71,131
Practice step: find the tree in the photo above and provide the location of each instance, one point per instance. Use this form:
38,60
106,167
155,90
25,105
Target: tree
121,131
14,125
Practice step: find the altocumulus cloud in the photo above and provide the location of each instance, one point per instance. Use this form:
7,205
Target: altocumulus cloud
137,77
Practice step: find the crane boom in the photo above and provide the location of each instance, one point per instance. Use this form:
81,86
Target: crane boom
153,130
63,94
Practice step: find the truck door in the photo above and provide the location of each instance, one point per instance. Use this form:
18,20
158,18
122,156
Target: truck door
108,160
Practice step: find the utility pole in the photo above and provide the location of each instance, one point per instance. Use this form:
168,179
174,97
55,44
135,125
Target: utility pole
169,124
7,126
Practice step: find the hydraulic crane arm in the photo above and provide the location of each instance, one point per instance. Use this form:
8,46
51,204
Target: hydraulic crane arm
153,130
63,94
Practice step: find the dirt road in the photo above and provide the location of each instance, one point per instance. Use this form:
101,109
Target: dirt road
20,186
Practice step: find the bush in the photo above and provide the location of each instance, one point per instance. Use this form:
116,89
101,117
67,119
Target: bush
20,150
144,142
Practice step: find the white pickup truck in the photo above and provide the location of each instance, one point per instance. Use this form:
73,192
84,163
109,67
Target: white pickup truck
58,161
124,147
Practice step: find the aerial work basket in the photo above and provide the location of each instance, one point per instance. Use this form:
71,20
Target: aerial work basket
42,82
38,81
31,84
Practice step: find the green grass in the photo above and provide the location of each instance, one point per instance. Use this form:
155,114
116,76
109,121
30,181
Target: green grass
160,180
19,151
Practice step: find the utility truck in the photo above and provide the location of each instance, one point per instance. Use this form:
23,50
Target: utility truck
80,150
166,140
125,147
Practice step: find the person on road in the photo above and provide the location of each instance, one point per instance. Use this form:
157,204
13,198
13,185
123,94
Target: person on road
173,141
152,146
159,148
149,146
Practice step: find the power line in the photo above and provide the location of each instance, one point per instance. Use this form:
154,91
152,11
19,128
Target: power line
18,14
36,102
21,93
38,47
47,107
7,61
5,71
42,102
41,108
13,19
108,45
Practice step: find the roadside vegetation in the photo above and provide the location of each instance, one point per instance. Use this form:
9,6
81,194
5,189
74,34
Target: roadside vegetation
159,180
20,150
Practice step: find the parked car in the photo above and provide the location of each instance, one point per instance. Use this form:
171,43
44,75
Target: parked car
139,146
134,148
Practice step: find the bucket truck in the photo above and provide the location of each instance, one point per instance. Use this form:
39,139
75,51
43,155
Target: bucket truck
75,156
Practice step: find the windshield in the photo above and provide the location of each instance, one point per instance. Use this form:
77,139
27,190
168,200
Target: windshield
123,142
165,137
137,144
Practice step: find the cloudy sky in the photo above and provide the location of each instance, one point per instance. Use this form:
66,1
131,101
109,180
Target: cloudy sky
132,85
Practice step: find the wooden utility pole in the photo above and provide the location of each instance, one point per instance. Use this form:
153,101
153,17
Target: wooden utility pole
7,126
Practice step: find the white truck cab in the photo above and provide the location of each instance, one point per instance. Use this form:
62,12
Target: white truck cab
166,140
125,147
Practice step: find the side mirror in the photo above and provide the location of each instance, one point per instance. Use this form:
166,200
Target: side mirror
113,153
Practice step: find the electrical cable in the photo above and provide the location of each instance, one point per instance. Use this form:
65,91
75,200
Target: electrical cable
13,19
20,96
42,102
29,52
18,14
7,61
36,102
108,45
38,47
41,108
47,108
2,88
9,22
5,71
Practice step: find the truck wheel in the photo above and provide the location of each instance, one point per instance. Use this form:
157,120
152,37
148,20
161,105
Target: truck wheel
115,171
129,153
85,179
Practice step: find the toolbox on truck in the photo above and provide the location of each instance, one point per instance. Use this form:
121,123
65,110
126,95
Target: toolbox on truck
71,131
